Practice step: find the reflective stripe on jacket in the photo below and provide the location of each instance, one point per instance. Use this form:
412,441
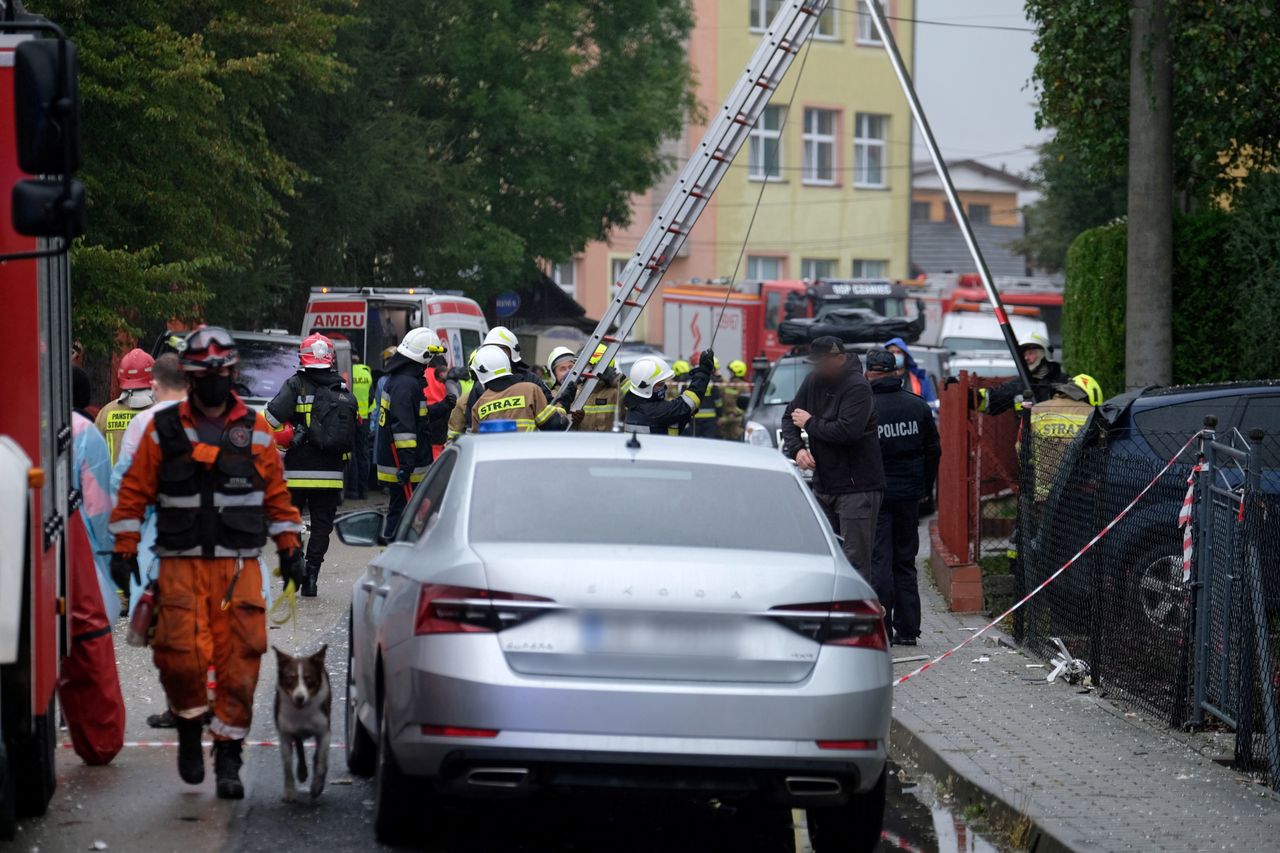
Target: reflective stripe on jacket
510,399
305,466
402,411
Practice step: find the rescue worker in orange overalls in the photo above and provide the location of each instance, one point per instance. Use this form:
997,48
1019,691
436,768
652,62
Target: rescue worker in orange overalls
210,467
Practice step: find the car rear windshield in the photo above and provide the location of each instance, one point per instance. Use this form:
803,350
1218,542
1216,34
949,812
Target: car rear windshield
975,344
643,503
265,366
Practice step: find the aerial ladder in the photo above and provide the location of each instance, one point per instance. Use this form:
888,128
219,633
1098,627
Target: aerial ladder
787,34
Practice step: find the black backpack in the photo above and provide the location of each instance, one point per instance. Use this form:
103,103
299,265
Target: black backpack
333,419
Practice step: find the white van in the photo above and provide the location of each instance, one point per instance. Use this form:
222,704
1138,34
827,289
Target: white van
976,332
375,318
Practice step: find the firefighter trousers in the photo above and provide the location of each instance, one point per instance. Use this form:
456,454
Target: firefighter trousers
193,631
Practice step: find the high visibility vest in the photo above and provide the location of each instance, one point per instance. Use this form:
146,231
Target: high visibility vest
362,386
1054,425
113,419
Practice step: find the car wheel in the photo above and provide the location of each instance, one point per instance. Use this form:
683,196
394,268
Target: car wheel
851,828
396,796
362,751
1157,591
8,818
31,760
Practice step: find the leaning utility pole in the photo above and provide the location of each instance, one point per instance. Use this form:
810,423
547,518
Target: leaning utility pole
1148,338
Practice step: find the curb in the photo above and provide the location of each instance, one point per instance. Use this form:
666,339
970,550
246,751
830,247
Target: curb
970,789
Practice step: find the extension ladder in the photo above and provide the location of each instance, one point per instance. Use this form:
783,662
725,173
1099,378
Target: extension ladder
790,29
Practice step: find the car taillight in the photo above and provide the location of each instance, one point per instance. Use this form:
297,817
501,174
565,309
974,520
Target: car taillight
861,745
457,731
837,623
465,610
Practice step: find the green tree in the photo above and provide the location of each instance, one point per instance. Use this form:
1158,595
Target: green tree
1072,202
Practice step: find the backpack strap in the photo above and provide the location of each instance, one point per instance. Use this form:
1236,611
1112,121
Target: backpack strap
172,434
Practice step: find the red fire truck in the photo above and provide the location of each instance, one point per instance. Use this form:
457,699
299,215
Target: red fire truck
39,216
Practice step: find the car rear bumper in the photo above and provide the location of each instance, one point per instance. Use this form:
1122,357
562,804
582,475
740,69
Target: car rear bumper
583,732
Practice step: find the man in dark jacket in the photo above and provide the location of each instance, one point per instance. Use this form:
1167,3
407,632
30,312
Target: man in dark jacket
910,450
834,407
1045,375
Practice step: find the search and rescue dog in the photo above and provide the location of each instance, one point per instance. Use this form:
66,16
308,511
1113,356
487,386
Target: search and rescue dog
302,710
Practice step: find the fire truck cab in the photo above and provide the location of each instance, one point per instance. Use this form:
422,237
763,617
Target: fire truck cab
374,319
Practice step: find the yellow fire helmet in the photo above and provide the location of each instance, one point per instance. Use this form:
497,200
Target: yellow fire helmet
1090,386
681,367
738,368
595,357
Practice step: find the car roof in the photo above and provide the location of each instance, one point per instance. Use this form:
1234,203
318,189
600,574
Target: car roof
267,337
495,447
1156,397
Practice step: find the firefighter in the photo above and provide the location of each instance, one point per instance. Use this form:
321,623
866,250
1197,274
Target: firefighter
706,418
209,466
458,417
323,413
649,411
403,451
600,412
559,363
439,387
504,339
358,474
510,397
1054,425
1045,374
134,377
735,398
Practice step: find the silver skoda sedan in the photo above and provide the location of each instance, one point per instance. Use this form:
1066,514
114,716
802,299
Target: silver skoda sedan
589,612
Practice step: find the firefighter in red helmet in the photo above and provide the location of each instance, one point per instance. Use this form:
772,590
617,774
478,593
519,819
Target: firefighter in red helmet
209,466
134,378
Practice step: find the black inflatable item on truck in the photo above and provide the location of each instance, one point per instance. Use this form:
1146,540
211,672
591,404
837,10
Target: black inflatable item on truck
851,325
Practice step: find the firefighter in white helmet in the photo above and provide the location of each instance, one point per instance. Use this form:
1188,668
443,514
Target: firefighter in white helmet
647,408
509,397
1045,374
403,449
559,363
505,339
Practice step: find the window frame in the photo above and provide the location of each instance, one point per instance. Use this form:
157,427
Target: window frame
759,135
813,138
986,214
828,14
780,260
866,34
863,143
806,262
863,274
571,288
760,8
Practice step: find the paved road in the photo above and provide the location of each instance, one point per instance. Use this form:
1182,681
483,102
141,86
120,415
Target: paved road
139,804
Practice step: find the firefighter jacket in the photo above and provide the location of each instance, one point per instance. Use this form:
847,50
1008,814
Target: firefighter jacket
212,500
362,388
1004,397
1055,423
511,398
661,416
403,423
735,397
600,410
520,374
706,418
458,417
909,445
114,418
305,465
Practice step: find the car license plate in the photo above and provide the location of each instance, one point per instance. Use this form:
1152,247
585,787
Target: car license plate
659,634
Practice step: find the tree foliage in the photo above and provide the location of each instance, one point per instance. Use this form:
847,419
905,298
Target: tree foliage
238,152
1226,56
1071,203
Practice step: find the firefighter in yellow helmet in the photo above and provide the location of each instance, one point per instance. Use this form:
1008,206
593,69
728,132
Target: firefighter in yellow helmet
706,421
600,411
735,397
1056,422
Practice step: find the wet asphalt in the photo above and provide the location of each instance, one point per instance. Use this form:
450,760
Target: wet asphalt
137,803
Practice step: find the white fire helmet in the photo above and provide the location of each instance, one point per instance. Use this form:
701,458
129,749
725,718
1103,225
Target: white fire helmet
502,336
1035,339
647,372
557,354
420,344
491,363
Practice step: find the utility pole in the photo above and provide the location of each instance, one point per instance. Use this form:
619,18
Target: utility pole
1148,338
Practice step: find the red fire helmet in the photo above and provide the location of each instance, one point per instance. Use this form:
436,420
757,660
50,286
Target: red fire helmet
135,370
316,351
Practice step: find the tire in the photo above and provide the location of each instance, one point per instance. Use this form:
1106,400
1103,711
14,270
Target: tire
397,798
8,817
852,828
362,750
32,761
1157,596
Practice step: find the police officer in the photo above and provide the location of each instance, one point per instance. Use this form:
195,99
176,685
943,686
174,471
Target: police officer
313,473
509,397
134,377
909,449
735,398
403,449
209,466
648,410
358,472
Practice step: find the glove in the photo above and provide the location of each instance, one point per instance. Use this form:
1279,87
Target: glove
707,361
567,395
301,435
292,567
404,476
123,567
576,418
609,376
450,400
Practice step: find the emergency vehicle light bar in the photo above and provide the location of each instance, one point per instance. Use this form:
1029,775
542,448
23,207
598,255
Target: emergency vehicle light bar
375,291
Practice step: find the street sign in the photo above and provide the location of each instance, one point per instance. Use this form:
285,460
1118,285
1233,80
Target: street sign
506,304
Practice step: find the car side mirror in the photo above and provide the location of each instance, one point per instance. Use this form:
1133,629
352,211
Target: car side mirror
361,529
47,124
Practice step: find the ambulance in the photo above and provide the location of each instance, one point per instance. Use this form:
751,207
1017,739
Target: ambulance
375,319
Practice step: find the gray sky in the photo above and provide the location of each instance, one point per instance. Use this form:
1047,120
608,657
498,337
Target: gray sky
973,82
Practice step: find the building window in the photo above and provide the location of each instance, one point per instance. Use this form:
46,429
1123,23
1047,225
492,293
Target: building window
566,275
764,154
815,268
819,146
866,26
828,25
920,211
868,150
980,214
764,268
762,12
870,269
616,266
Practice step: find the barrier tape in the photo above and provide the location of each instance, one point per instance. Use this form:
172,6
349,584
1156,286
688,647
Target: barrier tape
1184,520
1088,545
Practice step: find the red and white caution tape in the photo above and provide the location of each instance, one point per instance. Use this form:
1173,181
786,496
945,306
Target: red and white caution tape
1068,564
1184,521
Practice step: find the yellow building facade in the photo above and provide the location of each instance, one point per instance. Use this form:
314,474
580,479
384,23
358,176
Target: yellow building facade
829,162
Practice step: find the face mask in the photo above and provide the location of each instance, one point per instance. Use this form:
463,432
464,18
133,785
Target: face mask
899,360
660,392
212,389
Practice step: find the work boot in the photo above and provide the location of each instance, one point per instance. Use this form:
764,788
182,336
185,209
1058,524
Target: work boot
309,585
190,753
226,766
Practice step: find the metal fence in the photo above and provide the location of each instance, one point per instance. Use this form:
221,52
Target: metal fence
1184,647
